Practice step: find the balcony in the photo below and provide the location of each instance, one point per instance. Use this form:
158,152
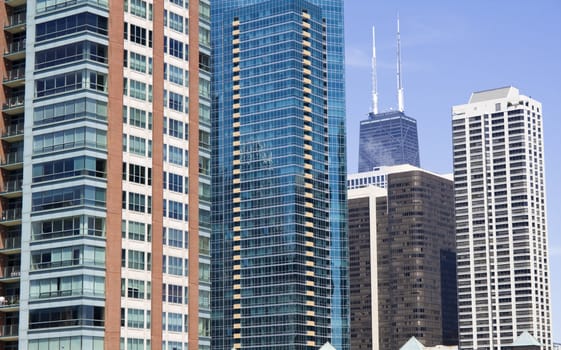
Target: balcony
12,161
15,50
10,274
11,217
11,189
15,23
11,245
15,3
14,77
13,132
9,332
14,104
9,303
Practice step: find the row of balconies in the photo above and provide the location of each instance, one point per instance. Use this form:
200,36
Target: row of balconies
13,81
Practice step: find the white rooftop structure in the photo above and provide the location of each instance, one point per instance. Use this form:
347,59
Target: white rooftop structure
327,346
414,344
525,339
379,176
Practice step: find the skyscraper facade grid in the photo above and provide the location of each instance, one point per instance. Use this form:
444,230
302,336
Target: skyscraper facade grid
388,138
279,246
502,244
104,188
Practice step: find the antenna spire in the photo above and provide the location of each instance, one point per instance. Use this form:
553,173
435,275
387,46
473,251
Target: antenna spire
399,83
374,75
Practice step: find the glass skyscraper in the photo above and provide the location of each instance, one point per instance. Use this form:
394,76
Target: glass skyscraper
279,244
388,138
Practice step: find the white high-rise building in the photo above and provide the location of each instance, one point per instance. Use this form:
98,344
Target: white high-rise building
503,278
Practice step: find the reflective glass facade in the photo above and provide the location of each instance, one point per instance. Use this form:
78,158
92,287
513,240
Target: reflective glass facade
279,274
386,139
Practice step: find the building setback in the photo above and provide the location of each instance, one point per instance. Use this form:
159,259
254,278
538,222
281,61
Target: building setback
402,254
501,228
90,187
279,276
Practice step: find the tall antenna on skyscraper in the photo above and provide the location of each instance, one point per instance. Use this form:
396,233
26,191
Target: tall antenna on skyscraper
399,84
374,75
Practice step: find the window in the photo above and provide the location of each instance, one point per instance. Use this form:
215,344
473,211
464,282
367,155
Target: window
175,22
135,318
204,327
175,128
175,101
175,48
137,174
135,289
70,138
69,226
67,256
137,145
67,343
204,88
71,24
204,299
135,344
136,260
204,272
175,155
174,237
204,36
175,266
59,83
175,294
175,74
175,182
83,50
68,110
137,62
69,196
137,230
69,167
67,286
137,202
137,89
137,34
204,245
138,8
175,322
175,210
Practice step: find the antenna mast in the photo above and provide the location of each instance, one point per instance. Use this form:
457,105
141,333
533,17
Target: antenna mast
399,84
374,75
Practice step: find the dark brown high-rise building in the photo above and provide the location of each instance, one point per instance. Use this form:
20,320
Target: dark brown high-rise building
402,260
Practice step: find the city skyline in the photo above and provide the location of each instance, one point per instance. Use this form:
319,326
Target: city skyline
438,41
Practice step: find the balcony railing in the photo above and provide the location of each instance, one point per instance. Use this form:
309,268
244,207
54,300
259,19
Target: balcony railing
12,186
12,158
14,101
15,47
10,330
11,214
15,20
15,74
9,301
13,130
11,272
12,243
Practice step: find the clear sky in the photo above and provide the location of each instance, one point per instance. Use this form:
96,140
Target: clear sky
449,50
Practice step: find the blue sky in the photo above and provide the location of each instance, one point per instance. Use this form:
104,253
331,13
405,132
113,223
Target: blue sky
449,50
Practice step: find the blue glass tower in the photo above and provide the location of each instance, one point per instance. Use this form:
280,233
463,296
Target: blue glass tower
386,139
279,242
